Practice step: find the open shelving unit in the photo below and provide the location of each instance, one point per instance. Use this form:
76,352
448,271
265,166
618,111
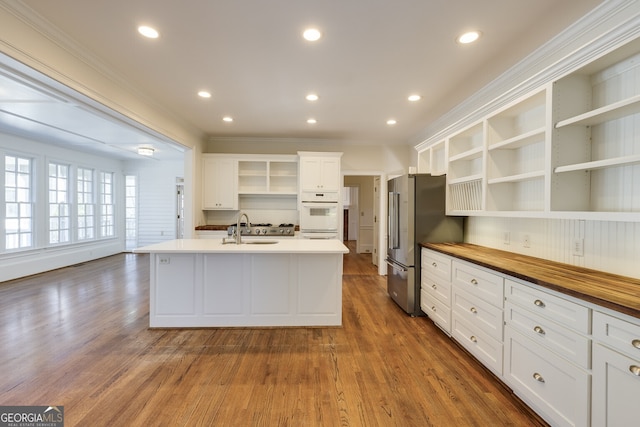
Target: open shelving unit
569,149
465,176
268,177
596,143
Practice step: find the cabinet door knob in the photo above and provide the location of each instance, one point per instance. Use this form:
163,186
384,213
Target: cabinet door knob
635,370
539,330
636,343
473,338
538,377
474,282
435,265
538,303
433,308
473,310
434,286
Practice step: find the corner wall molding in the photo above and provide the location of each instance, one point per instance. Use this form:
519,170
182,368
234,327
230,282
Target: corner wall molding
607,27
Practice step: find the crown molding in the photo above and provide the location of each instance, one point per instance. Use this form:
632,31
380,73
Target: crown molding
608,26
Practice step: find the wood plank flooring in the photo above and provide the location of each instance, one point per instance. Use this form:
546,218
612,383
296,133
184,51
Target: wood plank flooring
79,337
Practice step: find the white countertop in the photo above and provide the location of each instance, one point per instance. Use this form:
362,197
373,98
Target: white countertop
291,245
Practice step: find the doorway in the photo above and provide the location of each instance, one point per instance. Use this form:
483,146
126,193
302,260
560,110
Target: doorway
361,221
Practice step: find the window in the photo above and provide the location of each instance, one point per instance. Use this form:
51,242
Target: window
107,215
85,204
18,203
131,228
59,206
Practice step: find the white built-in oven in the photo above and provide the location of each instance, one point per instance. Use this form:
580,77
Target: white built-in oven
319,216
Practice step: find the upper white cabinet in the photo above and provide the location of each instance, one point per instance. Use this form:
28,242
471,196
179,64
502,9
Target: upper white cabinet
570,149
220,182
319,171
268,175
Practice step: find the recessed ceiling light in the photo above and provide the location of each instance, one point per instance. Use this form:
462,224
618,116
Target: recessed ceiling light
391,122
148,32
414,98
312,121
311,34
227,119
204,94
469,37
311,97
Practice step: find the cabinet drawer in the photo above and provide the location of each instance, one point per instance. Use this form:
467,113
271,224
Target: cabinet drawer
439,313
440,290
435,265
478,313
616,389
486,349
565,312
485,285
556,389
565,342
617,334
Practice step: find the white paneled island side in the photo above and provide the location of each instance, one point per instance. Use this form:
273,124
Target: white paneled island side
204,283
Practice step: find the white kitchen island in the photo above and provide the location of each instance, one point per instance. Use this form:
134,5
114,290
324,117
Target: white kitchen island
203,283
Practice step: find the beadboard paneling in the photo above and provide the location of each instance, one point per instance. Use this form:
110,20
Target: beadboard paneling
608,246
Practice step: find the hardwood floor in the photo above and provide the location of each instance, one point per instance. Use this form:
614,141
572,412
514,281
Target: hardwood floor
79,337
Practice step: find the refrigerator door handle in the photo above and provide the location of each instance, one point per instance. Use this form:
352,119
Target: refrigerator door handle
394,218
391,263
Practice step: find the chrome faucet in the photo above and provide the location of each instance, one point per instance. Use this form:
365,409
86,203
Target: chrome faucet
238,231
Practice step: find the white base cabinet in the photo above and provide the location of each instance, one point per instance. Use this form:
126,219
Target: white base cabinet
574,362
435,288
556,389
616,371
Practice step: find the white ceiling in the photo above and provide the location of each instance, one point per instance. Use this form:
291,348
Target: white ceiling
250,55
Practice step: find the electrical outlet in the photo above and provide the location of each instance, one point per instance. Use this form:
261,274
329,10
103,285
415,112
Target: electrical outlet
526,241
506,238
578,247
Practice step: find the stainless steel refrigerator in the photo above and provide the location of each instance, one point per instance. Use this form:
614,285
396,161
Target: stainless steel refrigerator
416,214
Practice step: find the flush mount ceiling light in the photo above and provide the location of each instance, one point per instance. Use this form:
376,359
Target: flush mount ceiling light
391,122
468,37
311,34
146,151
311,97
414,98
227,119
204,94
312,121
148,32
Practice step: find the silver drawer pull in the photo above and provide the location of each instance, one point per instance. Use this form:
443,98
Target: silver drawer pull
435,265
473,310
474,282
636,343
635,370
539,330
538,377
538,303
434,286
473,338
433,308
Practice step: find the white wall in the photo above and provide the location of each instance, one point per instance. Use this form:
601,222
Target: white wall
157,208
390,159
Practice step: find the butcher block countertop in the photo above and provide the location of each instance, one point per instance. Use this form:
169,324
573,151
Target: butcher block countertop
619,293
